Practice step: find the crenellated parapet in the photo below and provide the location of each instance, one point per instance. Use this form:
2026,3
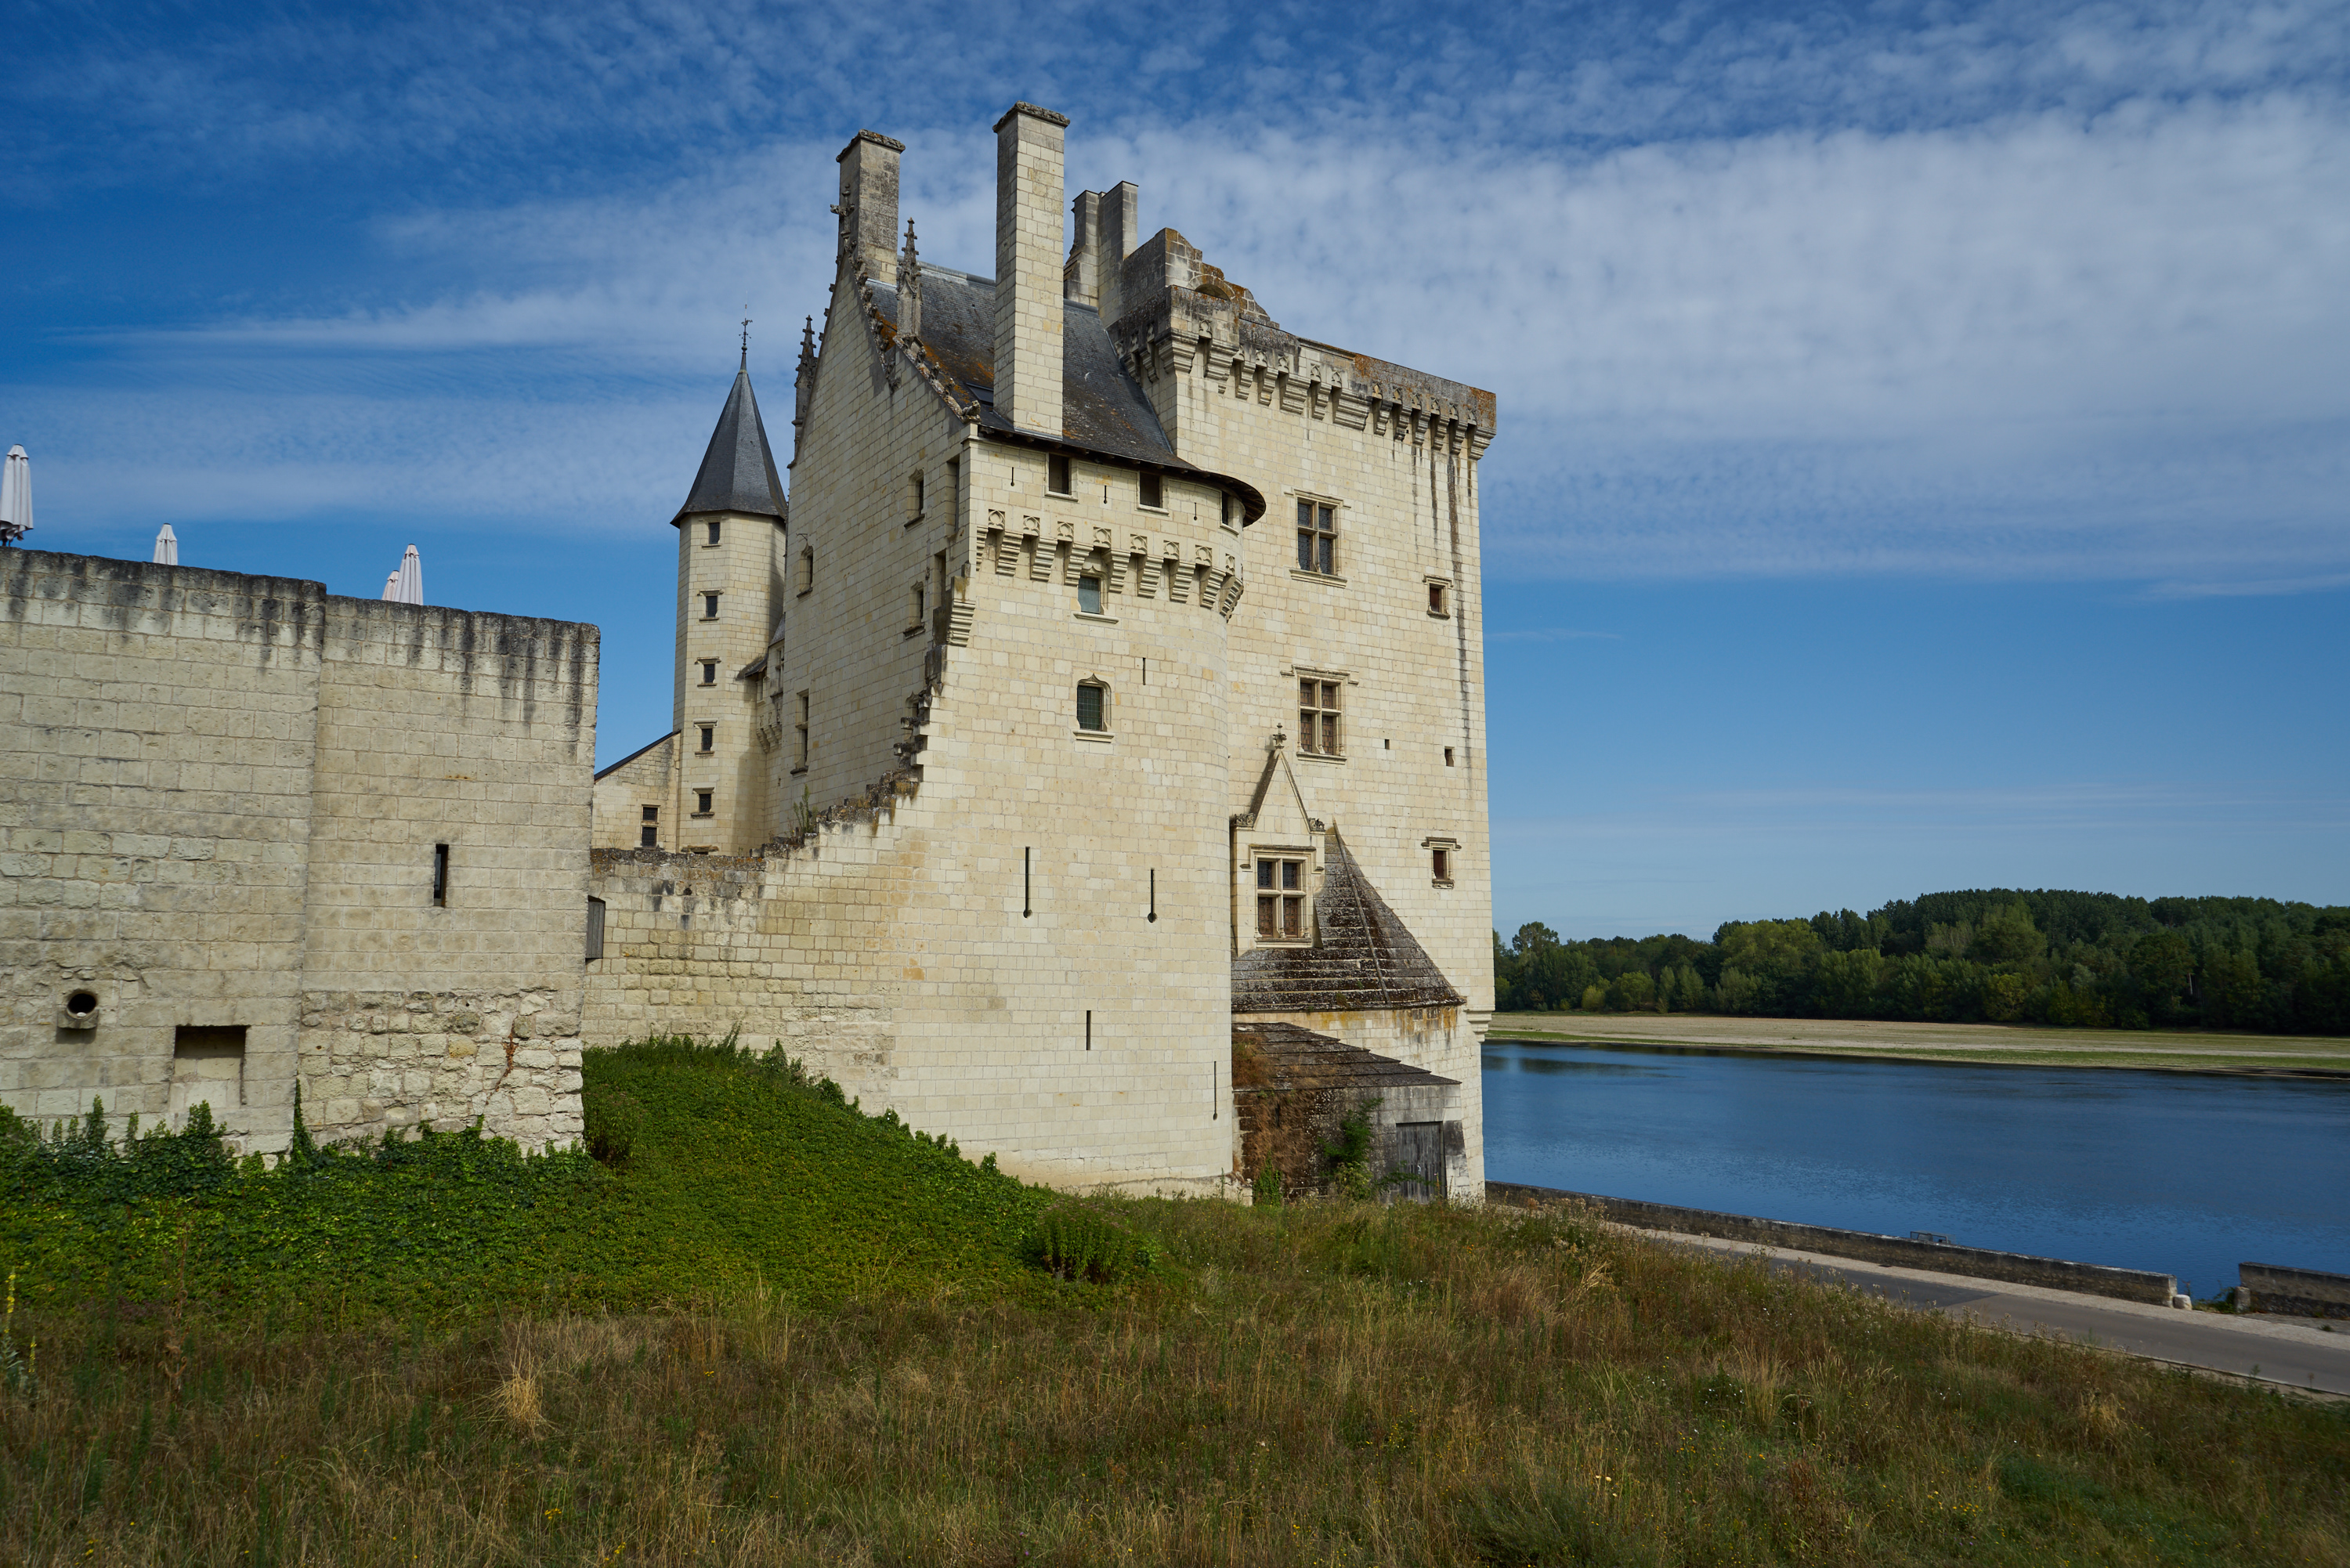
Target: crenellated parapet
1181,316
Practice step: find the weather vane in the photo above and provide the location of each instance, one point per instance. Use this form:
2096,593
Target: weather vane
746,336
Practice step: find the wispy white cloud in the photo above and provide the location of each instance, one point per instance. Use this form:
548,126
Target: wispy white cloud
2004,293
2263,587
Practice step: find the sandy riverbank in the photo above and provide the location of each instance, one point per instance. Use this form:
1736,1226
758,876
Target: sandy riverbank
2265,1054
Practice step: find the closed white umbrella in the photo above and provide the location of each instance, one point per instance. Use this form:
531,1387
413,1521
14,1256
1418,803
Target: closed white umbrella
411,577
391,587
15,497
167,547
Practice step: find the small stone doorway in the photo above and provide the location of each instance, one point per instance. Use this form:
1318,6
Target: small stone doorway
1419,1150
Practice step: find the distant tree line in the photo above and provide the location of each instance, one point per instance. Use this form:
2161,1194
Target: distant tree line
2090,960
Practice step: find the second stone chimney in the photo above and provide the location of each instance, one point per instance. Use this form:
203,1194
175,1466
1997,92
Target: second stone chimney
1028,181
1081,276
868,206
1122,230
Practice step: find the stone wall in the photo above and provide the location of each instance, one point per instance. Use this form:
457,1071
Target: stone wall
623,791
2300,1292
1444,1041
225,802
898,946
1938,1257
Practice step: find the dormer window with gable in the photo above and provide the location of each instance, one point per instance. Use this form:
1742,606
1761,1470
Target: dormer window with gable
1281,898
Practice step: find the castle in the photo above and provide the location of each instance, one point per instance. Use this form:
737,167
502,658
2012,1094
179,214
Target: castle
1084,758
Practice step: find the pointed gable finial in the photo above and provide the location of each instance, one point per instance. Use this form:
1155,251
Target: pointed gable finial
909,290
804,390
746,338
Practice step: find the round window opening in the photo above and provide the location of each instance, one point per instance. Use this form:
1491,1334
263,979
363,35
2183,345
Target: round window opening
82,1004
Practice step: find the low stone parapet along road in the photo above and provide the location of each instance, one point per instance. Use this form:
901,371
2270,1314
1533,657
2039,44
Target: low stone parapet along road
2299,1354
2285,1354
2301,1293
1940,1257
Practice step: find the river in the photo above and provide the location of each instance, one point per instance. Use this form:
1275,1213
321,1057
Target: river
2188,1174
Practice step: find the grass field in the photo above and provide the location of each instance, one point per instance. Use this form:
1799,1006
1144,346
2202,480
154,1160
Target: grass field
753,1376
2207,1052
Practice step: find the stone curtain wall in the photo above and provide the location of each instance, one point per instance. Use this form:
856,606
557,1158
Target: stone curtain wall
379,1061
782,949
156,726
223,794
442,726
896,947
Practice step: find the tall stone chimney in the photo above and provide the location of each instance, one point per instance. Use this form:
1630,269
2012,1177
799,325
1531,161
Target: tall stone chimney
1028,155
1081,278
1122,230
868,205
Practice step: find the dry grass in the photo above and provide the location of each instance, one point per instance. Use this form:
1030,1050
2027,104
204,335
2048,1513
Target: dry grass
1328,1384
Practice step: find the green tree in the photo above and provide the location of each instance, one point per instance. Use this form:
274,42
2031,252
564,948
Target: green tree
2006,934
1845,986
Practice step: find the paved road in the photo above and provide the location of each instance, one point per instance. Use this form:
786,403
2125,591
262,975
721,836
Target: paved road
2294,1353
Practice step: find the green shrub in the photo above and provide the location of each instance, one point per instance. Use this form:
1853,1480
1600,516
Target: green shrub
1268,1188
1073,1242
614,1117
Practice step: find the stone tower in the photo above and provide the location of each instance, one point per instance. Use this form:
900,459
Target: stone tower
731,539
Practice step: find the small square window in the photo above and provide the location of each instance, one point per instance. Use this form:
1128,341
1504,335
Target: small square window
709,672
649,836
652,813
1441,863
701,798
713,526
913,497
1057,475
1448,756
1090,707
1153,491
710,606
1436,605
1089,594
1317,537
1224,510
709,737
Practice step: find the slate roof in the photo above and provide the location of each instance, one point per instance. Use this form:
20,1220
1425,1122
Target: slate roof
1103,408
738,473
1283,1056
1363,958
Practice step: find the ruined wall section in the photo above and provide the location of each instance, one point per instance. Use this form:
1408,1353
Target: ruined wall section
446,990
156,735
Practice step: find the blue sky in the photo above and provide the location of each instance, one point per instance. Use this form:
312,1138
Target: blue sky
1924,442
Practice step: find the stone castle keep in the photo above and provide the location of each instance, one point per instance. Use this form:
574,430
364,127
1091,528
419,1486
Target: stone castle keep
1083,757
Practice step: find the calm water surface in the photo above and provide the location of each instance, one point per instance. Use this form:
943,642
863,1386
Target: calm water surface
2188,1175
